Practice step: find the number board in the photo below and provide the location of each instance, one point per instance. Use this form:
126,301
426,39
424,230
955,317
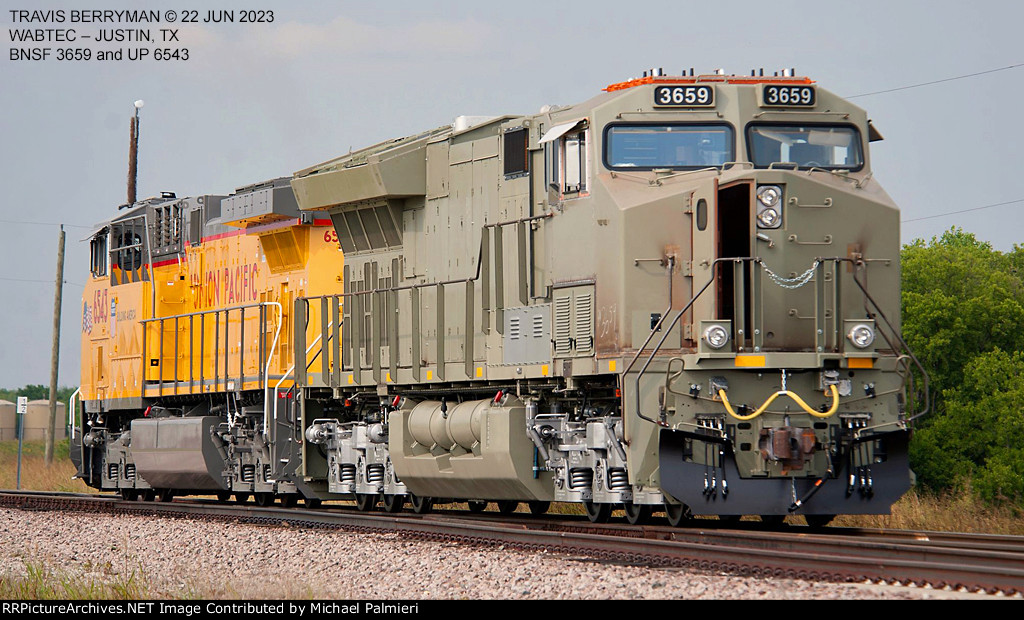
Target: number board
788,96
688,96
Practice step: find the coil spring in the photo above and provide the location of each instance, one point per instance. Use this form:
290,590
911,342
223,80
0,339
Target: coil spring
347,474
129,471
248,473
617,479
267,472
581,478
375,474
113,469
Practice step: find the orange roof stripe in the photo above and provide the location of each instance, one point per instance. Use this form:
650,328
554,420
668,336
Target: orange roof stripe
706,79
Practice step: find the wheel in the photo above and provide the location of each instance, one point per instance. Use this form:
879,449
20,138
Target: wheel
476,507
289,500
264,499
507,506
730,520
677,514
539,508
147,496
421,505
393,503
638,513
223,496
129,495
241,498
773,520
165,495
598,513
818,521
312,502
366,502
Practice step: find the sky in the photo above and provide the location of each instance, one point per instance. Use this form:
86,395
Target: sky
256,101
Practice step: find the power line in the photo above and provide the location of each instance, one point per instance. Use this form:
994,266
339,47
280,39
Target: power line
929,217
959,77
42,223
43,281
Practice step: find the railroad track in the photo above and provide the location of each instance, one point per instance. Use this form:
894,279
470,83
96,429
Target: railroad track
970,562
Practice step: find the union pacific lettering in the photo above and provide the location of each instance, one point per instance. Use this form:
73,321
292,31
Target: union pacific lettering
229,286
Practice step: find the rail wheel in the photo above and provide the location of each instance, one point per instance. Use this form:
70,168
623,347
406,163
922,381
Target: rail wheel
366,502
393,503
677,514
312,502
264,499
147,496
773,520
129,495
223,496
539,508
289,500
818,521
638,513
507,506
477,507
241,498
421,505
598,513
165,495
730,520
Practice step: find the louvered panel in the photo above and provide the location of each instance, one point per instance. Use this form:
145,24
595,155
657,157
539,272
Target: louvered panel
563,326
583,332
538,325
514,329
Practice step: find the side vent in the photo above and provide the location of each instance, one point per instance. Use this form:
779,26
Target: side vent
563,326
583,332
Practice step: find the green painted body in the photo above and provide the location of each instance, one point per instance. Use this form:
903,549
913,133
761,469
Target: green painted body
449,242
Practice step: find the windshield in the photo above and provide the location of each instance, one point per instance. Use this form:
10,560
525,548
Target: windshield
807,146
676,145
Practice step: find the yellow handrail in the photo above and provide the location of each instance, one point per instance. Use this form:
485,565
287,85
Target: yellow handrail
797,399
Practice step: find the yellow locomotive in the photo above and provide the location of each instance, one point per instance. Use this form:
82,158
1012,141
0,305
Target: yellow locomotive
679,296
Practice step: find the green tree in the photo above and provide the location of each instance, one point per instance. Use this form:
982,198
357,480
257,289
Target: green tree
980,433
963,308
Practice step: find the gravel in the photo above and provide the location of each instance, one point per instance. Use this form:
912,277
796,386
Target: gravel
177,558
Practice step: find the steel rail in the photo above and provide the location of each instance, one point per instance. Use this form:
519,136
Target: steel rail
900,557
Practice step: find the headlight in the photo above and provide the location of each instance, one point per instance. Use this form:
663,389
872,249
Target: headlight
769,206
768,218
716,336
862,335
769,195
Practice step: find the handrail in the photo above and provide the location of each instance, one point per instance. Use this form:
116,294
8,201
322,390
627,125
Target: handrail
287,374
71,411
639,412
266,373
896,333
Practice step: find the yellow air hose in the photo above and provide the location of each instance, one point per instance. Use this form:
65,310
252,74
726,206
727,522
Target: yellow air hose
797,399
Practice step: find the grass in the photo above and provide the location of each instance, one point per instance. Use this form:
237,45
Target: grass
43,583
954,511
35,475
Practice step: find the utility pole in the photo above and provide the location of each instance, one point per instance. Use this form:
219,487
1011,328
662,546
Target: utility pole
133,154
55,353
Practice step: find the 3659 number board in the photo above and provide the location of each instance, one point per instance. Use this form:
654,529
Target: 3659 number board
788,96
688,96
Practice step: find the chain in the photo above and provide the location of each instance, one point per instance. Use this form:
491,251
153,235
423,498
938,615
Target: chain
792,283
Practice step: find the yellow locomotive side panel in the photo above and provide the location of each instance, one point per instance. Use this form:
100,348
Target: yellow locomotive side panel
112,338
205,320
224,312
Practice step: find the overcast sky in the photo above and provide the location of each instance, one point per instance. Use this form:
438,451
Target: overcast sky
256,101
